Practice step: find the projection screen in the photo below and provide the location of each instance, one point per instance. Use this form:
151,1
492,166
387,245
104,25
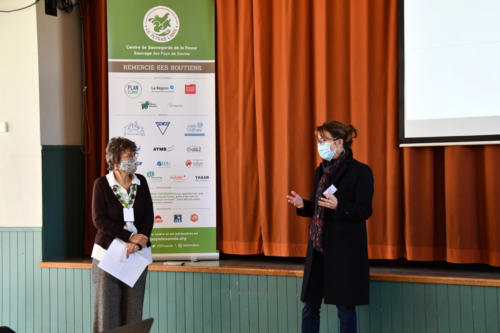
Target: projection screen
449,72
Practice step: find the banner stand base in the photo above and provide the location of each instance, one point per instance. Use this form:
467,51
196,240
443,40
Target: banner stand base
186,256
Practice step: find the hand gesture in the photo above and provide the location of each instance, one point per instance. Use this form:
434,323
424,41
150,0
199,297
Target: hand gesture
328,201
295,199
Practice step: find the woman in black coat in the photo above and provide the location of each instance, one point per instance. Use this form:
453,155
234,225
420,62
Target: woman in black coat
336,267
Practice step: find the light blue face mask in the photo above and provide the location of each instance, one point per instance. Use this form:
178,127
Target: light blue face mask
325,152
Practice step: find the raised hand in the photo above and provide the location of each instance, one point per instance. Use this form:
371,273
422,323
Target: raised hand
295,199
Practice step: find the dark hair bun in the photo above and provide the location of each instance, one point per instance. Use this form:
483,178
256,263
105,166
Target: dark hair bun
352,133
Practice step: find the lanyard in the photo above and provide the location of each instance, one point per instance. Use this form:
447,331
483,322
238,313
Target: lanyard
126,203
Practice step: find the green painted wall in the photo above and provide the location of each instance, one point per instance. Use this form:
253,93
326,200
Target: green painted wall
63,199
60,300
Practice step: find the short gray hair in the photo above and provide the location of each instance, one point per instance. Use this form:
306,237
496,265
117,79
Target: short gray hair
116,146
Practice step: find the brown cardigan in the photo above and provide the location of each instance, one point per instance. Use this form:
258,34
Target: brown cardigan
107,212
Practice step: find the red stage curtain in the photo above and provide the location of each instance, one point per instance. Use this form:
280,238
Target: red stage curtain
285,66
303,63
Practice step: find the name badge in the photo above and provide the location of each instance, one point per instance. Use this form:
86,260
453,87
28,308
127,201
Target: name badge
128,214
332,189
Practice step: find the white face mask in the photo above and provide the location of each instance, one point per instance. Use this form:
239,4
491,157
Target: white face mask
128,166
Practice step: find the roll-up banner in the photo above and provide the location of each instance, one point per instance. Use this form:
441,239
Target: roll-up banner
161,69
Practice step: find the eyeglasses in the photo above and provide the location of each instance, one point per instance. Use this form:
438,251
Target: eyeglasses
130,156
323,140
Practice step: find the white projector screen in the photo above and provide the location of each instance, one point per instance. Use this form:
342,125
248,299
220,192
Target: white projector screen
449,72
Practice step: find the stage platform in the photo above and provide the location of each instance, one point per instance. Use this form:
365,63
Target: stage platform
380,270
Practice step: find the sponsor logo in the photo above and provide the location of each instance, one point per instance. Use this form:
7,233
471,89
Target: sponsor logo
133,128
202,178
167,149
133,89
178,178
162,126
163,89
177,218
138,148
175,106
163,164
161,24
152,177
194,163
146,105
190,89
195,129
158,219
193,149
194,218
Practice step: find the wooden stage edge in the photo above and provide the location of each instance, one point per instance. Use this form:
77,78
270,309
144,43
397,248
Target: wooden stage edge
296,270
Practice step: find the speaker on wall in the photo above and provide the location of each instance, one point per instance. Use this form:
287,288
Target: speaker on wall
51,7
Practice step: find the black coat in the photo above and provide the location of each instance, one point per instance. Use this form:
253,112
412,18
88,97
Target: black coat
345,252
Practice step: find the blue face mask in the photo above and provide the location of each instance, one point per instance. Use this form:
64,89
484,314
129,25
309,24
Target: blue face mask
325,152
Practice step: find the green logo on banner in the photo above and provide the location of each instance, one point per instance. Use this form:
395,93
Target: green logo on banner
161,24
161,29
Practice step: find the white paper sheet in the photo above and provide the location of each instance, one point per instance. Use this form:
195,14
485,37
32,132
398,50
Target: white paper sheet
129,270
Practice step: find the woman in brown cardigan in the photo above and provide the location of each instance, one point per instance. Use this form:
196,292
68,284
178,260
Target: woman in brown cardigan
122,209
